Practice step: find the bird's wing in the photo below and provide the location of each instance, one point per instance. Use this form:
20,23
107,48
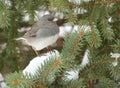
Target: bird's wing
48,29
42,30
33,31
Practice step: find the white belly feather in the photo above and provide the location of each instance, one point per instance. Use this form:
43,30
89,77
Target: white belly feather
39,44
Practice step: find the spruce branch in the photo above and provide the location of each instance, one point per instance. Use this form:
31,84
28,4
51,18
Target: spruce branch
107,30
80,35
99,71
49,69
91,25
101,63
14,19
115,72
90,3
5,16
62,4
17,79
74,45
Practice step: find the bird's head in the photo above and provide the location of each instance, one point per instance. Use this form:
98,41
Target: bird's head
48,17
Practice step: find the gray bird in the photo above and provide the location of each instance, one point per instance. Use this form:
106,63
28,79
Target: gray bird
42,34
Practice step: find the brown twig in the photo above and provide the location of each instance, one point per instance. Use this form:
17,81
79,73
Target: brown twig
76,41
91,26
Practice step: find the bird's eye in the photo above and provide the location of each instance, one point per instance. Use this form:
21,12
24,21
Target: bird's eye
50,19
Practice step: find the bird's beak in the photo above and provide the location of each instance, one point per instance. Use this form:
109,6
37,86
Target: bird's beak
55,19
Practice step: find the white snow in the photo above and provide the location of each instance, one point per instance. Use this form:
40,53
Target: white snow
26,17
110,20
116,56
78,1
2,47
36,62
85,58
1,77
2,82
40,14
71,75
115,63
65,29
3,85
59,15
24,29
79,10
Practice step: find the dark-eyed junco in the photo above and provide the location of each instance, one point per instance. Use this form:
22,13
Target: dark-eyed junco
42,34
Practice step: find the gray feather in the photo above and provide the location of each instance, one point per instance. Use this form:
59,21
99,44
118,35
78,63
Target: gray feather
43,28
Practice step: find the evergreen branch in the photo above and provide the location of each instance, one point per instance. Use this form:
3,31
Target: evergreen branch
76,84
41,86
76,41
92,13
64,5
91,26
5,15
59,6
22,80
115,72
116,46
96,3
93,35
18,80
72,17
74,45
2,5
107,31
100,63
49,68
107,83
93,38
28,81
97,65
89,38
104,25
15,18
